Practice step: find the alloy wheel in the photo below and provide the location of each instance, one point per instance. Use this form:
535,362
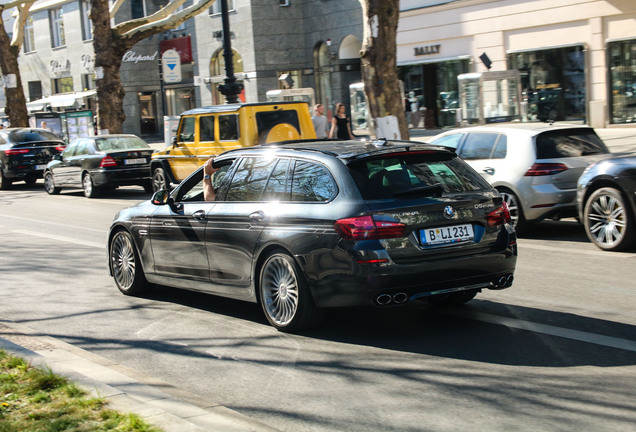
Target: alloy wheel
513,206
280,290
606,219
123,262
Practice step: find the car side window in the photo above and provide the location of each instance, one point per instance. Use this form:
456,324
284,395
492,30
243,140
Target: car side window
249,179
228,127
82,148
451,141
502,148
478,146
276,189
186,131
206,128
70,150
312,183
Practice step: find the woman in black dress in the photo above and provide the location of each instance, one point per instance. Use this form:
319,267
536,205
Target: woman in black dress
341,124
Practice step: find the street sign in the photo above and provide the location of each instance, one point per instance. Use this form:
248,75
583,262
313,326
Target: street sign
171,65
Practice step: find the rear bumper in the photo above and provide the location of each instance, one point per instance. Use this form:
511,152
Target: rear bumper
545,201
122,177
22,173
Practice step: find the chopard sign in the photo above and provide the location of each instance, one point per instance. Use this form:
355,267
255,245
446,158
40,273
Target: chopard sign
427,50
132,56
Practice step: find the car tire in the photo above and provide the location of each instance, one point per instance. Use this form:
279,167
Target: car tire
160,180
453,299
284,295
125,265
5,183
516,213
49,184
30,180
90,190
609,222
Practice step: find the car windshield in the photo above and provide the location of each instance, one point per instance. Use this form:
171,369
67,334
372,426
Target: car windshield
414,174
569,143
120,143
27,136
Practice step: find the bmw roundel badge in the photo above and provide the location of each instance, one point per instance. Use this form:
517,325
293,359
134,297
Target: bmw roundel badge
449,212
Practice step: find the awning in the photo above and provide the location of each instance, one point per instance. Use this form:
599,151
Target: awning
61,100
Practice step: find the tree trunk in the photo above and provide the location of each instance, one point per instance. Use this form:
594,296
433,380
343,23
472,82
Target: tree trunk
109,49
15,107
379,64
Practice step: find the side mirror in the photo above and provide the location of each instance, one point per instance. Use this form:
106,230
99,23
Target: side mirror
174,140
160,197
57,157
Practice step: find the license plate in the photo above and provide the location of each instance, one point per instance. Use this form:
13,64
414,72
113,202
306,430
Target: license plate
447,234
40,167
134,161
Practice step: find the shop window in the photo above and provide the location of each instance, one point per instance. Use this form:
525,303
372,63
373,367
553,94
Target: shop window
179,100
29,36
622,78
148,113
62,85
56,20
87,24
552,82
322,68
88,82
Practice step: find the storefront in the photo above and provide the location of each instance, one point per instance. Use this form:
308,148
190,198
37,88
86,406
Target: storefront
622,73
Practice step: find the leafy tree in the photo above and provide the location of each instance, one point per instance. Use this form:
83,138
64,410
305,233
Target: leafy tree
110,43
379,64
10,47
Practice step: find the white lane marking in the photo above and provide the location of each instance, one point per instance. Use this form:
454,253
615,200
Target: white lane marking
60,238
50,223
608,341
524,245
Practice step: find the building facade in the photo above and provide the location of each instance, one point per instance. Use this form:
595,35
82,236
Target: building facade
576,58
276,44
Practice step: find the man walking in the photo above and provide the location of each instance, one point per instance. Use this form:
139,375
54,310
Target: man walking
320,121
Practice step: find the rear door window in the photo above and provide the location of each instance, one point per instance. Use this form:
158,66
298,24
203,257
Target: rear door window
569,143
276,189
414,174
206,128
478,146
312,183
228,127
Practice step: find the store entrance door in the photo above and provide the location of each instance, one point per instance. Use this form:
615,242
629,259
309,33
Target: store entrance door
148,113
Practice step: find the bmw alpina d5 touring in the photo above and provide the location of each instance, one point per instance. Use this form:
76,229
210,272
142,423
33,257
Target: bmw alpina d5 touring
306,225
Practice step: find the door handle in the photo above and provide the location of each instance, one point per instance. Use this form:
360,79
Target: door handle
490,171
199,215
257,216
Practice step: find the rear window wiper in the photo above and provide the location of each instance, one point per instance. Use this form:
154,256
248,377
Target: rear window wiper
435,190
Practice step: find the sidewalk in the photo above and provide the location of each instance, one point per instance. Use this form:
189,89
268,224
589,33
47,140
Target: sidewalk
129,391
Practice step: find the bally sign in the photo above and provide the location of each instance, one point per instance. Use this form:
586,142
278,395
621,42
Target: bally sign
171,66
427,50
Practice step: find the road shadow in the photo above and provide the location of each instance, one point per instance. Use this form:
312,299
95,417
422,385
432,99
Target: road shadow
563,230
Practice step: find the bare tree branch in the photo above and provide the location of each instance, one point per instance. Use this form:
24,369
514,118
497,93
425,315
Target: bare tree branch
164,17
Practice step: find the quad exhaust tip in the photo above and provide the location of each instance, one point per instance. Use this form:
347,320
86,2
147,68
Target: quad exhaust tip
504,281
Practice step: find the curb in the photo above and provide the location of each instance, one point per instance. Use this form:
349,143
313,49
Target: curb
127,390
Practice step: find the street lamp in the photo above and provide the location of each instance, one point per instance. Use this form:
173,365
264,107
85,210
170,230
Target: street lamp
231,89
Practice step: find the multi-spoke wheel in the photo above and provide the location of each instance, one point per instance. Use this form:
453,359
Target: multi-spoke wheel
49,184
284,295
125,265
516,214
160,180
90,191
608,221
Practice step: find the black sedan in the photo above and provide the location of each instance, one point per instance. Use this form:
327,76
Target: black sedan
302,226
99,163
24,153
606,198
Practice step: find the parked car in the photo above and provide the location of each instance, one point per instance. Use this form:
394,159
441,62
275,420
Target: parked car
24,153
100,162
535,166
606,198
209,131
302,226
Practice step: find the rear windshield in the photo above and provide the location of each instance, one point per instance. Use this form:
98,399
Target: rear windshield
569,143
414,173
265,120
120,143
33,136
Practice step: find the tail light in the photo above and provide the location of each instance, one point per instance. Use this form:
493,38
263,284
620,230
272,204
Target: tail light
367,228
542,169
499,216
16,151
60,148
108,161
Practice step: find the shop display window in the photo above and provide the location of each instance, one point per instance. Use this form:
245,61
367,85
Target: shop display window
622,76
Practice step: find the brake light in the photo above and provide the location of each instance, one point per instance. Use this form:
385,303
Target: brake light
367,228
60,148
108,161
499,216
15,151
542,169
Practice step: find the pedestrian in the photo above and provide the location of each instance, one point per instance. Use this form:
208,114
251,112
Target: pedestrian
320,121
341,124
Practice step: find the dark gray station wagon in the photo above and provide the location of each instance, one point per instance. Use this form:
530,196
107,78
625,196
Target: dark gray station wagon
302,226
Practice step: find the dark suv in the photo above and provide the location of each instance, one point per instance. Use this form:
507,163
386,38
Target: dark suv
24,153
301,226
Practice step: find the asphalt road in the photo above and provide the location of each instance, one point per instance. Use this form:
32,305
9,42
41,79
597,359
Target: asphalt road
555,352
